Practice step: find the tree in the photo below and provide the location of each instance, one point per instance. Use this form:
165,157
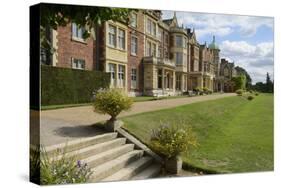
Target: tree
240,71
89,17
266,87
269,84
240,82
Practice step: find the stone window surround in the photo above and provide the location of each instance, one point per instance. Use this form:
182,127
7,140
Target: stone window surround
117,28
150,30
116,79
183,41
151,51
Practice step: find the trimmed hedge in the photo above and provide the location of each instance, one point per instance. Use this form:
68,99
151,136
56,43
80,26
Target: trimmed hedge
70,86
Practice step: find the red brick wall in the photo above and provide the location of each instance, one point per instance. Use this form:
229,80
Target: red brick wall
135,61
68,48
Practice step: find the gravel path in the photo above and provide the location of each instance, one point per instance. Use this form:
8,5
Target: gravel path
61,125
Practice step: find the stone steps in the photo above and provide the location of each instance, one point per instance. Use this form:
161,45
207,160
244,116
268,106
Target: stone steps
80,143
103,157
111,157
152,171
130,170
97,148
107,169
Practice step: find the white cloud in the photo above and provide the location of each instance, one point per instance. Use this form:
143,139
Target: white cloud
221,24
256,59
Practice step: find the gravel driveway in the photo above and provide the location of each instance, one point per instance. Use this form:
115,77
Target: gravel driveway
61,125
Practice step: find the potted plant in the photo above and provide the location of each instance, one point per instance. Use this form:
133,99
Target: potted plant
112,102
170,142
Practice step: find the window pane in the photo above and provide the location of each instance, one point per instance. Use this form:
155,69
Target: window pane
121,38
134,20
134,44
74,28
179,41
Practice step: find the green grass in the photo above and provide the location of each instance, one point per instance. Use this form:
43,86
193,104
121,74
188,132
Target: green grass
235,134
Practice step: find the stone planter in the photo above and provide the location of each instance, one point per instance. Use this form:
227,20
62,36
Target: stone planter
113,125
173,165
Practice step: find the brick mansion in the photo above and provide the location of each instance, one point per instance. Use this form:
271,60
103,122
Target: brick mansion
148,56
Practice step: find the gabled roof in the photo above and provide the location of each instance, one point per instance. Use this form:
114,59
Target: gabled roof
172,21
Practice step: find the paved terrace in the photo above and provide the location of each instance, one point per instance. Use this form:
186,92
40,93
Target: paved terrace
65,124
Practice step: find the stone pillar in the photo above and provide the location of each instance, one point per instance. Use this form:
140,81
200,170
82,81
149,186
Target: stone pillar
182,82
200,82
174,81
163,78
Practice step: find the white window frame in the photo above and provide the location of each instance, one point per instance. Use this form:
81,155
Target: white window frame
78,63
134,45
133,78
121,76
151,27
112,71
77,32
121,39
112,35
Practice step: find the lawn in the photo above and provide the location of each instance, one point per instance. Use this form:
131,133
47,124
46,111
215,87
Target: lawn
235,135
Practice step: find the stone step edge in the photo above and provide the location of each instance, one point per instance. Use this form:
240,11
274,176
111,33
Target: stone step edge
102,156
113,165
150,172
90,148
130,170
60,147
139,145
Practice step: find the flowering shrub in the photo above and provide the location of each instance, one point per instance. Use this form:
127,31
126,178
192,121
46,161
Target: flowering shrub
112,102
170,141
62,170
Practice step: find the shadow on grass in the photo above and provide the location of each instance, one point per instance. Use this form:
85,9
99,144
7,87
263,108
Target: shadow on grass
81,130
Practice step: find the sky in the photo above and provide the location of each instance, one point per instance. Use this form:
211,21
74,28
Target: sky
246,40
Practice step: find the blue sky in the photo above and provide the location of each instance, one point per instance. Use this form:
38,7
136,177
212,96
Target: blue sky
246,40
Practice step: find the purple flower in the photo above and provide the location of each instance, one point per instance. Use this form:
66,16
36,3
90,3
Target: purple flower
79,163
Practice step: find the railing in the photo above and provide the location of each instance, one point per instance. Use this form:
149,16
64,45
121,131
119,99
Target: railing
159,61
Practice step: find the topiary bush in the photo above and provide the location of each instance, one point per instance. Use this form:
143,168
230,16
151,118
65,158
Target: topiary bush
112,102
250,97
239,92
170,141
